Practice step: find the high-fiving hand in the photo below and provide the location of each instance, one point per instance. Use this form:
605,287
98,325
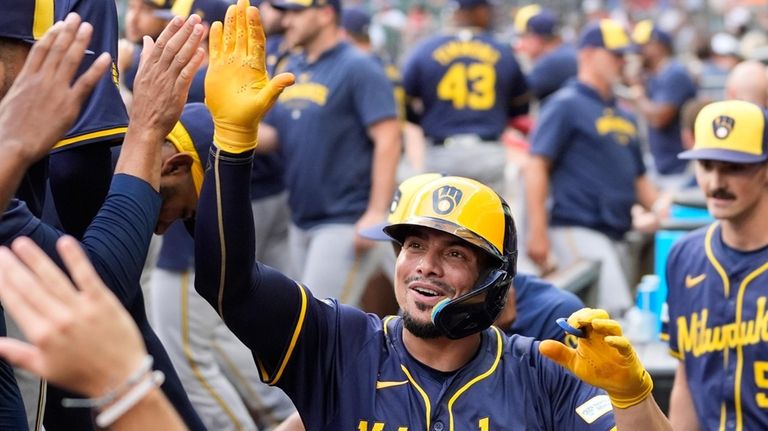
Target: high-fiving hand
238,91
604,358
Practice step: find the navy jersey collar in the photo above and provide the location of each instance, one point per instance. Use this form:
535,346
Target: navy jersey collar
485,355
590,92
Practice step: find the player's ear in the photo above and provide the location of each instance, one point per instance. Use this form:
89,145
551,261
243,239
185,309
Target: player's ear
178,163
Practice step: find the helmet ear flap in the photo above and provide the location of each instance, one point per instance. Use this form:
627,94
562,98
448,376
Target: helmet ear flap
510,241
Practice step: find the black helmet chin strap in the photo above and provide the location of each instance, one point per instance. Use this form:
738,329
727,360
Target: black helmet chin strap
476,310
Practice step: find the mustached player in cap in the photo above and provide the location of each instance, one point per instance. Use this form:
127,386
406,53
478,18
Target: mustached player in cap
718,278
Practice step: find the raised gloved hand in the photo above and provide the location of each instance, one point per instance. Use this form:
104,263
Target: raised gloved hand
604,358
237,90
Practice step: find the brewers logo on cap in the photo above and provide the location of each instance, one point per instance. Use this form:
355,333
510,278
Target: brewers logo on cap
445,199
722,126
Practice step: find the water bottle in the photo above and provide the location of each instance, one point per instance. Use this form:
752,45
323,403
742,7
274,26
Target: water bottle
648,304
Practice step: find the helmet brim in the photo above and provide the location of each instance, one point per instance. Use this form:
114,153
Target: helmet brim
398,232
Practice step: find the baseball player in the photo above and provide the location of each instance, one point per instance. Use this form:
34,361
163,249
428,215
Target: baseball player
439,366
462,88
339,136
553,62
717,278
587,148
117,239
356,23
659,98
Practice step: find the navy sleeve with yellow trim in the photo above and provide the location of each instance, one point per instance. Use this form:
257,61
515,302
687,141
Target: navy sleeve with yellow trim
103,117
261,306
290,333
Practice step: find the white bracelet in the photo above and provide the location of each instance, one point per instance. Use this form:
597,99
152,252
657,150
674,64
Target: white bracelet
109,397
130,399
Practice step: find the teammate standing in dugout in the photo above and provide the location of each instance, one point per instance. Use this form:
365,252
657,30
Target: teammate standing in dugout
717,278
439,366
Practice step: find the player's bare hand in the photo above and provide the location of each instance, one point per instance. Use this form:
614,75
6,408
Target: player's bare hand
45,99
166,69
604,358
81,338
538,249
368,219
238,91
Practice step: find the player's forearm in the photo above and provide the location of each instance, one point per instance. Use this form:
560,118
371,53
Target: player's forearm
12,168
386,154
246,294
536,191
268,139
647,193
682,413
152,412
118,238
644,416
140,154
224,234
657,115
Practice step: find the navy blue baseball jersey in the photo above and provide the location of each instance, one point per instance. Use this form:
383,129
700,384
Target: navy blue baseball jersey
116,242
103,118
322,123
539,304
177,252
596,158
268,169
468,83
673,86
551,71
348,370
718,327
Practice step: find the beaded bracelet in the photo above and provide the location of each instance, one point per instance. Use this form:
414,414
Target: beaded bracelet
112,395
129,400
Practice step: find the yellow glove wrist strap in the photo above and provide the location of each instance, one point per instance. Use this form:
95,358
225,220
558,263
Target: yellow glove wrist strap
625,400
235,139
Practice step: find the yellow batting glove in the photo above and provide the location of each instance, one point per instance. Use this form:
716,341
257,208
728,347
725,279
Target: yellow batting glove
604,358
237,90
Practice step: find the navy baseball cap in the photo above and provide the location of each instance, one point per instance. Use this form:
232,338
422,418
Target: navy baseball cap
209,11
536,20
305,4
26,20
607,34
193,134
730,131
646,31
355,20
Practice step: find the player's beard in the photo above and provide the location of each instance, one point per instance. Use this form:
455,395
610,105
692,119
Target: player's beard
425,330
